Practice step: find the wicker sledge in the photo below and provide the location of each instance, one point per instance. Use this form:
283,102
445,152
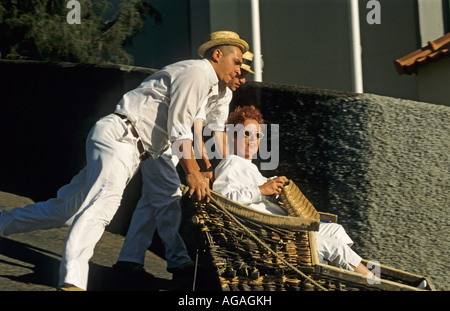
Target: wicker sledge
254,251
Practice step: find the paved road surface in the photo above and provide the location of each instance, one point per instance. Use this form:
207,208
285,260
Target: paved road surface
30,261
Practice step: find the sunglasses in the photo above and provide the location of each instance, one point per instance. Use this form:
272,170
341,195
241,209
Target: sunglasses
258,135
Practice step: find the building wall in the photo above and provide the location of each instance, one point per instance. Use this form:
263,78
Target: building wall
433,82
304,42
308,43
433,18
184,26
159,44
396,36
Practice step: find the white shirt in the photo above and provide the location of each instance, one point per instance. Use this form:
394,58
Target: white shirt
239,179
164,106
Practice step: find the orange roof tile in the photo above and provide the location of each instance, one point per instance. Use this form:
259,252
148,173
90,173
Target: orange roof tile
435,50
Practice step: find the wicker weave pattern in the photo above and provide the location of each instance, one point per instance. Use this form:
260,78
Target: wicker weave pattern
295,202
237,257
257,254
243,265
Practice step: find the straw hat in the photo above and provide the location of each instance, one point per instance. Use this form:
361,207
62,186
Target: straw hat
247,59
222,38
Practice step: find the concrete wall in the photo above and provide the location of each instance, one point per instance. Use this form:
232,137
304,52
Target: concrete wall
308,42
163,43
433,82
47,112
380,163
303,42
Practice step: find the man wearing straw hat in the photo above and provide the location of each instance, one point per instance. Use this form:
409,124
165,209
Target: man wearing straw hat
218,112
159,206
147,122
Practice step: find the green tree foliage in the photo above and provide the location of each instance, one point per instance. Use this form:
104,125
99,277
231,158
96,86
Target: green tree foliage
38,30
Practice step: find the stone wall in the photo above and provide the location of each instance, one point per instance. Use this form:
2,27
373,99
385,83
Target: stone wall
380,163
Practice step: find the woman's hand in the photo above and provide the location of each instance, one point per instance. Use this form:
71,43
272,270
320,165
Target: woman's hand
273,186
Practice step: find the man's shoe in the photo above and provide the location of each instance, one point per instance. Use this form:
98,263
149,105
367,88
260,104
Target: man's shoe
133,270
185,269
183,276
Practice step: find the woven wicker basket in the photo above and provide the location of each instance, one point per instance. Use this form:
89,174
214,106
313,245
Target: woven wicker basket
234,242
295,202
243,264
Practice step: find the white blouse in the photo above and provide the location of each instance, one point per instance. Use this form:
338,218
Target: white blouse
239,179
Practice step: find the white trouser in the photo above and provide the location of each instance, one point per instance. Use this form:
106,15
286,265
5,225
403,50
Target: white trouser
333,245
158,208
88,203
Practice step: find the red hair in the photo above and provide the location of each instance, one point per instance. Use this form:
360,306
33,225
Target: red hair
240,114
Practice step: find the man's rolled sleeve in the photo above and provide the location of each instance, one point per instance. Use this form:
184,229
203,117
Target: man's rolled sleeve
218,115
180,132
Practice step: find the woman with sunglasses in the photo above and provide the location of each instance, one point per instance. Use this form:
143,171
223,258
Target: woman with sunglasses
238,179
244,135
